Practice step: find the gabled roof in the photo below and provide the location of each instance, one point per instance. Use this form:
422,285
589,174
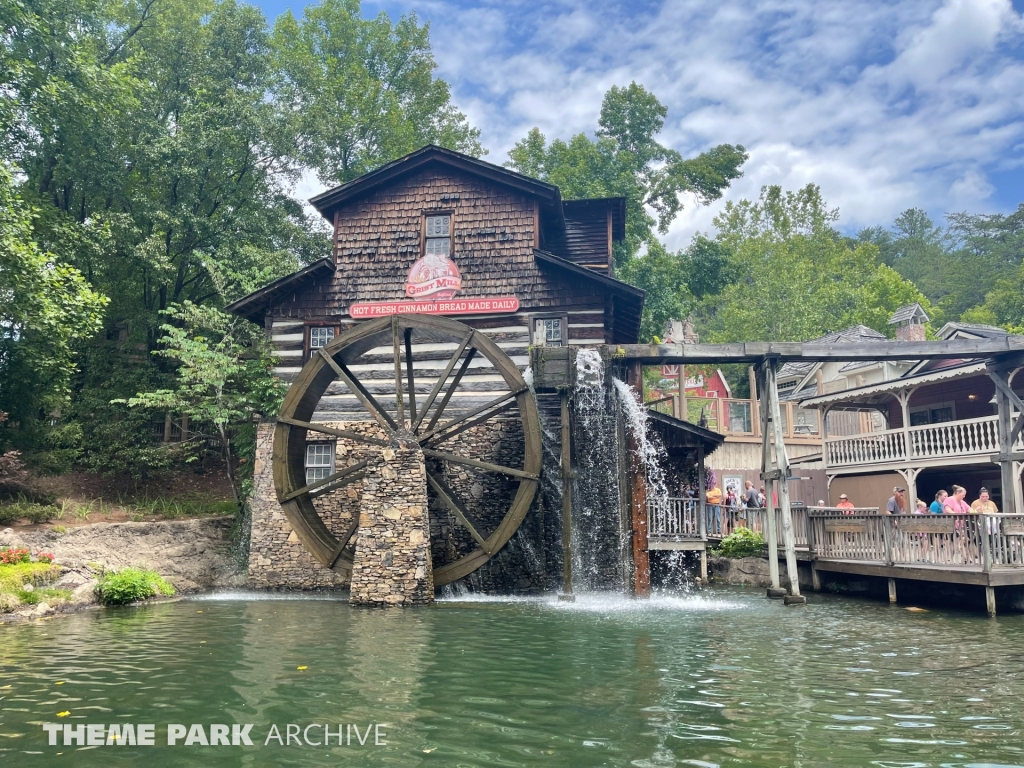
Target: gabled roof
854,334
548,194
910,312
679,435
253,305
971,331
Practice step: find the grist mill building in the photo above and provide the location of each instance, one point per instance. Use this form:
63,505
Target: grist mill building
411,451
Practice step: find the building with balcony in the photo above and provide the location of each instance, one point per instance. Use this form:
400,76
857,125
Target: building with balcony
934,426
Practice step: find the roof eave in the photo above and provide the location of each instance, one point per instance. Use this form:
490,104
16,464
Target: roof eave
251,306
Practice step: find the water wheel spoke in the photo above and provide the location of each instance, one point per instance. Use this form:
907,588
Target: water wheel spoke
344,539
479,464
412,382
470,414
342,477
450,500
369,402
334,432
451,389
397,346
444,434
441,380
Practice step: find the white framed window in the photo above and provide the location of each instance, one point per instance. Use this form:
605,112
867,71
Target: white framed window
549,332
319,461
936,413
319,337
438,235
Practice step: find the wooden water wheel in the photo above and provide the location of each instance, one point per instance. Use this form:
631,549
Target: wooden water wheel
408,414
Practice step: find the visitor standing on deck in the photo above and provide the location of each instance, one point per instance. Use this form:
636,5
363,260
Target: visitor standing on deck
937,507
956,503
750,496
713,496
844,503
897,503
983,504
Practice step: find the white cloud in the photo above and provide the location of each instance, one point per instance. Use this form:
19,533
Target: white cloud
884,105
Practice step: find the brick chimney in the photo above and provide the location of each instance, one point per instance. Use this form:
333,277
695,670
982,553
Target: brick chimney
910,322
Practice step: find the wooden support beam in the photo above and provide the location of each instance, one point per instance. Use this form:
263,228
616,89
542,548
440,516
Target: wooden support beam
754,352
990,601
440,381
769,475
566,471
479,464
342,477
450,500
892,590
782,465
638,500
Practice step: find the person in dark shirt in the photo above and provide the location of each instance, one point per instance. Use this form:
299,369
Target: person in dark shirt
750,497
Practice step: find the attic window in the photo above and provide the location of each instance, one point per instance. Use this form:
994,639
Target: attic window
438,235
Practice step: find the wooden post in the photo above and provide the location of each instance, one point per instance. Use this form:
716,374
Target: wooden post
755,415
815,579
986,541
892,590
990,601
566,467
704,564
641,556
167,427
1007,478
782,466
683,413
771,539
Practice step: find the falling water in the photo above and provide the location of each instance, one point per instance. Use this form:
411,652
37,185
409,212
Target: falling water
648,447
596,522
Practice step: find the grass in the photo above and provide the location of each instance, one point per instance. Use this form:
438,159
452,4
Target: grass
13,579
136,509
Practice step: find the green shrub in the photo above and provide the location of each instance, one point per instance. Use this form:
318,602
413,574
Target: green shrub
742,542
23,510
131,585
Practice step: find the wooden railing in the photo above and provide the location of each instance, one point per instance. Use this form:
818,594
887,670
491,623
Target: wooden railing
675,519
950,540
876,448
950,439
955,438
723,520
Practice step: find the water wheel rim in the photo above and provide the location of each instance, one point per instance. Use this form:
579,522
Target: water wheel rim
312,383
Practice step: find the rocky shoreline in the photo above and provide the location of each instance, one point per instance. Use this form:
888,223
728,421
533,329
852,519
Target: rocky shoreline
194,555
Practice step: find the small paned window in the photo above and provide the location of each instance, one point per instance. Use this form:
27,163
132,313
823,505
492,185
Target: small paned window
549,332
319,461
439,234
319,337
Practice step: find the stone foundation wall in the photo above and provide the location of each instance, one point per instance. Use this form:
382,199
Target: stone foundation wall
277,559
392,556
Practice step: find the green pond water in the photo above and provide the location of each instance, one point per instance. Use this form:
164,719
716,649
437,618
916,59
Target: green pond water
726,678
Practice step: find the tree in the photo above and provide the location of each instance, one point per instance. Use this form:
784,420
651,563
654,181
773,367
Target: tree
47,311
626,160
798,278
362,92
224,379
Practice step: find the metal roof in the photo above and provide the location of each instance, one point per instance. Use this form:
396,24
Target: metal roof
909,312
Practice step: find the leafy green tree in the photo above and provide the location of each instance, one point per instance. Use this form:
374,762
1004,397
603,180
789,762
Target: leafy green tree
47,311
223,380
625,159
798,278
362,92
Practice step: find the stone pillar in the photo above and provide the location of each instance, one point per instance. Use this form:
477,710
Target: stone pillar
392,557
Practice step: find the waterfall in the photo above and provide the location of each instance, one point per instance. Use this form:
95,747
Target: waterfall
648,447
596,531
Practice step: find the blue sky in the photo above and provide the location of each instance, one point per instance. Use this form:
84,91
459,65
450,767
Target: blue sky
885,105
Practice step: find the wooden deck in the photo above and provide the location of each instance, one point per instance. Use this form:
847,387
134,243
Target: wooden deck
984,550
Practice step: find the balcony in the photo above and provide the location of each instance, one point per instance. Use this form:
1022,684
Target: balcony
739,419
967,440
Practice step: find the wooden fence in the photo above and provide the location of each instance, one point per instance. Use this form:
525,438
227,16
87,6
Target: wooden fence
947,540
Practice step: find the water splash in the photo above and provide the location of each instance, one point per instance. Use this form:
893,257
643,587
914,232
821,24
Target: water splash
648,446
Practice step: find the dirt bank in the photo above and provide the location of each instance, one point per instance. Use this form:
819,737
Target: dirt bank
192,554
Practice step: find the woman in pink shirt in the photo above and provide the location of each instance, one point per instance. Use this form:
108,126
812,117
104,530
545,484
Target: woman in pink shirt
955,502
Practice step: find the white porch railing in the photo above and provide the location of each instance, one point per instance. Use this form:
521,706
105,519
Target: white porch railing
950,439
675,519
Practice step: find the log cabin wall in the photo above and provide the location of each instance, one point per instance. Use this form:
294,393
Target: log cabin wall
495,232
